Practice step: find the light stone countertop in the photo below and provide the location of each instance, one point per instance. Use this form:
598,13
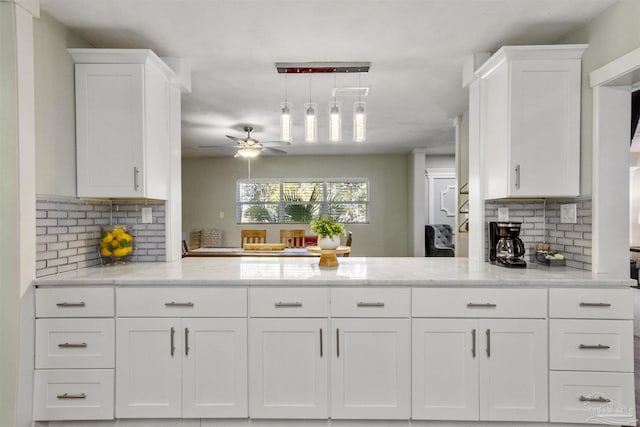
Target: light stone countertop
353,271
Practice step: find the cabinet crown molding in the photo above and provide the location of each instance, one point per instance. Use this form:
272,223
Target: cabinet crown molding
121,56
533,52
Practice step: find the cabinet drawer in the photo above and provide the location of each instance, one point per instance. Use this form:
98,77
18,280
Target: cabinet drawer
591,345
181,302
289,302
574,397
591,303
74,302
480,303
359,302
73,395
72,343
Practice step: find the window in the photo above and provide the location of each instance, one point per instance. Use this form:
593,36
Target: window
298,200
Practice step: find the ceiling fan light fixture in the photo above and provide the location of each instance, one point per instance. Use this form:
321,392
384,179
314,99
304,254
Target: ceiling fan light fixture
249,152
285,122
310,122
335,122
359,122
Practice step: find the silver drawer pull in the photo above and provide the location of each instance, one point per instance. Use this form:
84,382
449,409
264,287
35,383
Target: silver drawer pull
72,396
595,304
594,399
178,304
71,304
287,304
594,347
485,305
370,304
73,345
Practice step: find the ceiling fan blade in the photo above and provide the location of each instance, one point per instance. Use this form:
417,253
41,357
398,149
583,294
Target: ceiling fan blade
275,143
273,151
233,138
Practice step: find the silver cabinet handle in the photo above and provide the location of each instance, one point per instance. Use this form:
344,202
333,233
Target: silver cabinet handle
178,304
173,336
517,177
337,342
370,304
287,304
595,304
320,342
594,399
73,345
71,304
473,343
488,342
186,341
594,347
72,396
135,178
485,305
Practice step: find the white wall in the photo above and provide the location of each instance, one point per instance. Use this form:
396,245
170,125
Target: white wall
55,107
209,185
610,35
437,162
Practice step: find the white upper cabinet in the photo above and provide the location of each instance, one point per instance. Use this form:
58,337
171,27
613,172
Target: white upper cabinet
530,121
122,123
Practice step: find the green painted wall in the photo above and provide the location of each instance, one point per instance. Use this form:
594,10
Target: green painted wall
209,185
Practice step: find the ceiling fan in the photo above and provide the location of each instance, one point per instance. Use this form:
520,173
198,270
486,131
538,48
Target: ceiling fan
250,147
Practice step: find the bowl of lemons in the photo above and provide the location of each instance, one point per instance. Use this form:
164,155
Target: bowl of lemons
115,243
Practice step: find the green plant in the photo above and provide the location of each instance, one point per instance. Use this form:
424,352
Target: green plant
327,227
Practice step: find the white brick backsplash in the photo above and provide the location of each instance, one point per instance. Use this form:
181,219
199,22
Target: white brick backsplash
541,224
68,231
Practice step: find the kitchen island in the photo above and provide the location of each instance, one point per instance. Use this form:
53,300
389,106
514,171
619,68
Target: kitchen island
255,341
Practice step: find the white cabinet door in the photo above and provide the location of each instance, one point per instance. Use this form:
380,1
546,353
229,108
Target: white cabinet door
148,368
513,370
214,368
109,127
545,128
288,368
370,371
445,369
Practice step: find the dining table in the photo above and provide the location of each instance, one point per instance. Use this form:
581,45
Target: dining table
240,252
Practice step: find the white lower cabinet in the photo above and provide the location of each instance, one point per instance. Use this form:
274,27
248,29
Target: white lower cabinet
371,369
289,368
189,368
480,369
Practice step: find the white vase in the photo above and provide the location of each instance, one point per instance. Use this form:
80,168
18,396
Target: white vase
329,242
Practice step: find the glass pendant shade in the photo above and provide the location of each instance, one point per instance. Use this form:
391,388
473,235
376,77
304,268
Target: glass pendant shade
310,122
248,152
359,122
335,122
285,122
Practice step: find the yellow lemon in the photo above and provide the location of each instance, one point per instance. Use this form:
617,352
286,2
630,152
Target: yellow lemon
120,252
129,249
105,252
107,237
118,232
126,236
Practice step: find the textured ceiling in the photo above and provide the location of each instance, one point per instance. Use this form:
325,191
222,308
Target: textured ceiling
416,49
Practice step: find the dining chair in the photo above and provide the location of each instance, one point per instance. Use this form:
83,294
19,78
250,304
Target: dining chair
439,240
292,238
252,236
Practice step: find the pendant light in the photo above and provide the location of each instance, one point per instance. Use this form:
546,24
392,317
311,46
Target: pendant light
335,119
285,116
359,119
310,119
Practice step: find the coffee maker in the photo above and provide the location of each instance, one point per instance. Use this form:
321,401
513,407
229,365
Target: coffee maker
505,247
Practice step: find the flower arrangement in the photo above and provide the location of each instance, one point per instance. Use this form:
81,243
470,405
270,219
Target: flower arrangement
327,227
